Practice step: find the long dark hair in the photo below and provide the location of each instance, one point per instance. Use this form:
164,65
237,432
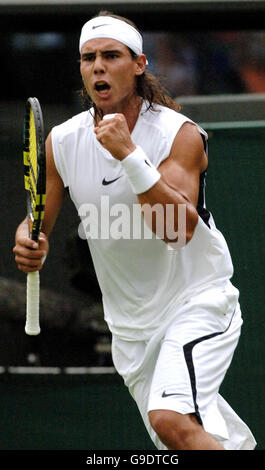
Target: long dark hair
148,86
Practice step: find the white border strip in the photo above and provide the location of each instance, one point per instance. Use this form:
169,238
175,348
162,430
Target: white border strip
227,125
33,370
89,370
229,98
24,370
93,2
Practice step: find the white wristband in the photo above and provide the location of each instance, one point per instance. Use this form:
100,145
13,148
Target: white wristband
109,116
140,170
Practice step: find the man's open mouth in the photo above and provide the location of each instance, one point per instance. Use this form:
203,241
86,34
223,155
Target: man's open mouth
102,86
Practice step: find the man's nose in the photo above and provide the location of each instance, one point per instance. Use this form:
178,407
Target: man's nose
99,66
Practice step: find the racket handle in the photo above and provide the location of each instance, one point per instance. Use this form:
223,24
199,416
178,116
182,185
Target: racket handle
32,326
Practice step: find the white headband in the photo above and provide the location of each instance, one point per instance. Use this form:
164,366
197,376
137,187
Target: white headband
109,27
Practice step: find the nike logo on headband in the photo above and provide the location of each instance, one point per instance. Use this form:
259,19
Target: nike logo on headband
99,26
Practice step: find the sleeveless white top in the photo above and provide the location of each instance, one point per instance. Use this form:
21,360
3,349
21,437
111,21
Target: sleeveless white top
142,281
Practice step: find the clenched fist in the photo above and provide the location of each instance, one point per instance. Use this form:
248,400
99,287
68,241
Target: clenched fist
114,135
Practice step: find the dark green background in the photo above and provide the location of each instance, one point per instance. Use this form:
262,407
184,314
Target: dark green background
235,194
96,412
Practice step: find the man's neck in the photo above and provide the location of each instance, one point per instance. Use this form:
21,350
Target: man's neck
130,111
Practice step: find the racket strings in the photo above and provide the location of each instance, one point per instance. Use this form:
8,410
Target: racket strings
34,174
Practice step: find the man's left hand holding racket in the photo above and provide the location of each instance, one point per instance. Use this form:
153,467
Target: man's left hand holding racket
31,245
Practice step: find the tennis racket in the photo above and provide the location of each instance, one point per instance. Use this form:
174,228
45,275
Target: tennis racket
34,158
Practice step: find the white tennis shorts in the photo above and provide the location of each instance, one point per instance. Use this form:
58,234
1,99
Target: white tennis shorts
182,367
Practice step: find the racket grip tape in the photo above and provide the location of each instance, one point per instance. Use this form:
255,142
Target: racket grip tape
32,326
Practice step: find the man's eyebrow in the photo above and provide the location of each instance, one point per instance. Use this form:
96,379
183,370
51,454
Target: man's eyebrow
84,54
107,51
114,51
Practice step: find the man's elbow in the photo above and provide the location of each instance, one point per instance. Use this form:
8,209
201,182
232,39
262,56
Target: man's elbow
184,229
191,224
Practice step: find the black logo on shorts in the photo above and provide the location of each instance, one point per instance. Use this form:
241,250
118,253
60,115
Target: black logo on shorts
164,394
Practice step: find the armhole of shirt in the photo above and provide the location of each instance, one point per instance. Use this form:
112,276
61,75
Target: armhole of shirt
59,158
171,137
203,212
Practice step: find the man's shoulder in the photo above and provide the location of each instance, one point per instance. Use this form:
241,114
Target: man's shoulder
169,121
73,124
165,121
161,114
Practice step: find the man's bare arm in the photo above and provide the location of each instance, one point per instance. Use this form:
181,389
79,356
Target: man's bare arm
29,254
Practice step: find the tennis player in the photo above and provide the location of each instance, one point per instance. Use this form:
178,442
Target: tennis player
173,313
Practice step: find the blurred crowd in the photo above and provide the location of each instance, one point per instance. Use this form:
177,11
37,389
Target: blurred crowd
190,63
208,63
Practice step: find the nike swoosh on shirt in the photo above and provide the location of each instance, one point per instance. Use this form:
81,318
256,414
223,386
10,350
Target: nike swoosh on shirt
164,394
106,182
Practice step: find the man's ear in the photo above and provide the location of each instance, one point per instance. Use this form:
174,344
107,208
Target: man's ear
140,64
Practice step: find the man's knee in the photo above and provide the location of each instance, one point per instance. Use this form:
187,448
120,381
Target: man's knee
174,428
